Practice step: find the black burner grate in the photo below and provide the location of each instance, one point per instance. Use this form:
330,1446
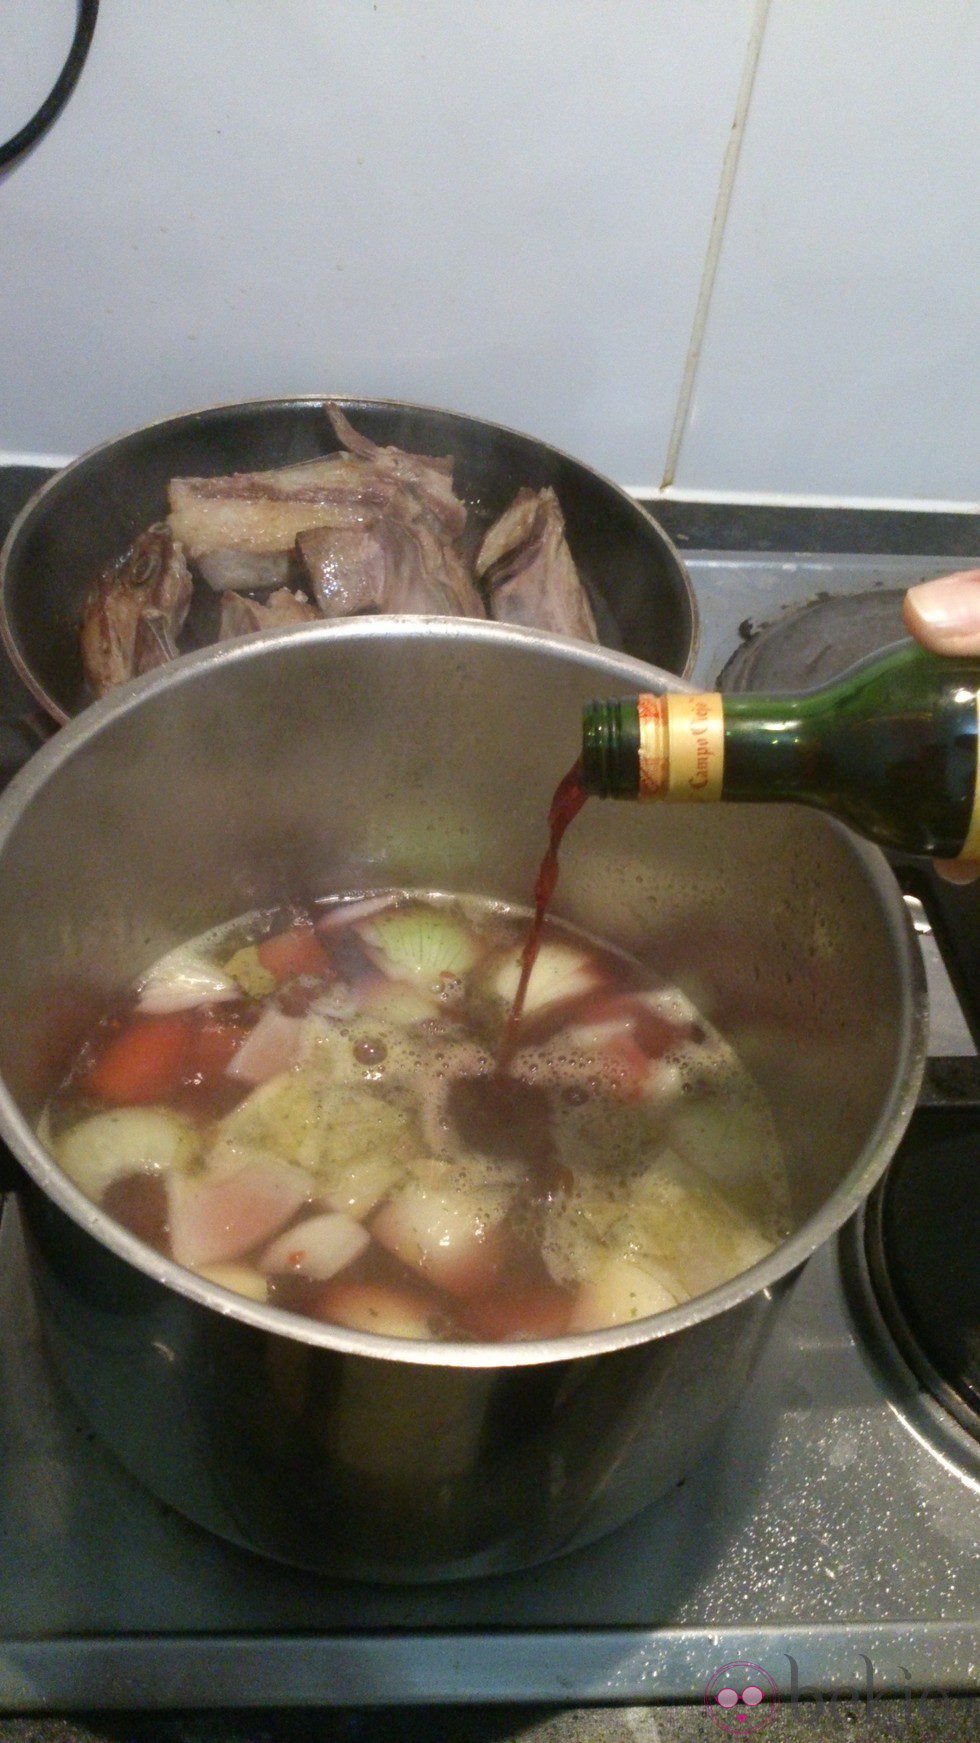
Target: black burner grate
816,642
922,1236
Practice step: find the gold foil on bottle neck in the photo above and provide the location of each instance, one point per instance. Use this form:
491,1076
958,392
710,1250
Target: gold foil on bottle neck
682,746
652,714
971,846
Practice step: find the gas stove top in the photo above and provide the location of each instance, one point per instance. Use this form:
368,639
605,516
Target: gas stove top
831,1537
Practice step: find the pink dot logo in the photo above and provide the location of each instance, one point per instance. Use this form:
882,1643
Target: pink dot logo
741,1697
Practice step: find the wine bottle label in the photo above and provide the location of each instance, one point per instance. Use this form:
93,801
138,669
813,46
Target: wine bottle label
682,746
971,846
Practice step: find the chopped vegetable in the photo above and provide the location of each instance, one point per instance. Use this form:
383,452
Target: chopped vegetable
182,980
358,1187
561,974
239,1278
379,1307
679,1220
356,1144
246,968
318,1247
107,1147
355,1126
212,1221
452,1237
270,1048
297,951
144,1062
623,1289
326,1118
421,944
272,1120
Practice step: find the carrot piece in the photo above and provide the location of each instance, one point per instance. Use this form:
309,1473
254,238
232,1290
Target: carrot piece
297,951
142,1063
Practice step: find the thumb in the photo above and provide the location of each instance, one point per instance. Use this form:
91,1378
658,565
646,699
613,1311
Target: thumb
944,615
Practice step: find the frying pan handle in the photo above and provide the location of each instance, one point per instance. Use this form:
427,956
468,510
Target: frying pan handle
10,1173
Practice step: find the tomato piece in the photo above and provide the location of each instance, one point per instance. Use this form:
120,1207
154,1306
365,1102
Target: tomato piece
144,1062
297,951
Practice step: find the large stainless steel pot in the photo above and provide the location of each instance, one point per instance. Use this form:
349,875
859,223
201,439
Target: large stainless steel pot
422,752
90,513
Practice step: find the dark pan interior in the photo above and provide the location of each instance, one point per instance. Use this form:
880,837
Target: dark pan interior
93,510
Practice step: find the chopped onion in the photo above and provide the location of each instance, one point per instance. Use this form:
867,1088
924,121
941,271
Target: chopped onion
452,1237
560,973
317,1248
109,1146
424,946
183,979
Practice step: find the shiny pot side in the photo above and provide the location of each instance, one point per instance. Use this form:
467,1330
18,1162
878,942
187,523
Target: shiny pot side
422,752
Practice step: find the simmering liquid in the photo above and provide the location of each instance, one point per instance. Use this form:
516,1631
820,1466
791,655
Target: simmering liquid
308,1107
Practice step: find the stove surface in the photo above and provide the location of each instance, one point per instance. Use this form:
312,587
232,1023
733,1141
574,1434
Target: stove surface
830,1538
829,1523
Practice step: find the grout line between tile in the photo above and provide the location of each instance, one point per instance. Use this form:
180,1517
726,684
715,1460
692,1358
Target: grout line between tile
715,238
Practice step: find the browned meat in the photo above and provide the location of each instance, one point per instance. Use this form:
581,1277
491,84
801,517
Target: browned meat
154,644
402,562
244,616
527,569
430,478
239,531
151,582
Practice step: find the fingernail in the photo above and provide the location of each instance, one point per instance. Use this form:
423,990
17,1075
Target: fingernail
958,871
946,609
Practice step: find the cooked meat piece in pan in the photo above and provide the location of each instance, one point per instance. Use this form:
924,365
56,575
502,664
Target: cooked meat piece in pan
239,531
403,562
244,616
135,610
527,569
428,476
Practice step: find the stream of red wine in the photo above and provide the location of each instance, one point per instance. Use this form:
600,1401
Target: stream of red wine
569,797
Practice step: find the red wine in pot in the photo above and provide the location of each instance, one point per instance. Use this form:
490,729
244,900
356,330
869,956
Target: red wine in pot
569,797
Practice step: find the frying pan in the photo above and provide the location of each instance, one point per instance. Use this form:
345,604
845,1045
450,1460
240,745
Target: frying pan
90,513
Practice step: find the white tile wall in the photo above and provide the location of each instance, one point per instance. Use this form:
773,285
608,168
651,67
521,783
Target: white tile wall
842,345
504,206
496,205
35,36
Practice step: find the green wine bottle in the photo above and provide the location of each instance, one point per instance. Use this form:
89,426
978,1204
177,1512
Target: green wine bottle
890,748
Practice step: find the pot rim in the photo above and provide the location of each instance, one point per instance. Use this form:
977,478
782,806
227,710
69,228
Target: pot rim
610,668
347,404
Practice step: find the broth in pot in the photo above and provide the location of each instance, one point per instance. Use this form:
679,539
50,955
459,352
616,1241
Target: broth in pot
312,1108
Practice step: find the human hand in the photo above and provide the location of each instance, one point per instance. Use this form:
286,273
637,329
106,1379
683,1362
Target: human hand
944,615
